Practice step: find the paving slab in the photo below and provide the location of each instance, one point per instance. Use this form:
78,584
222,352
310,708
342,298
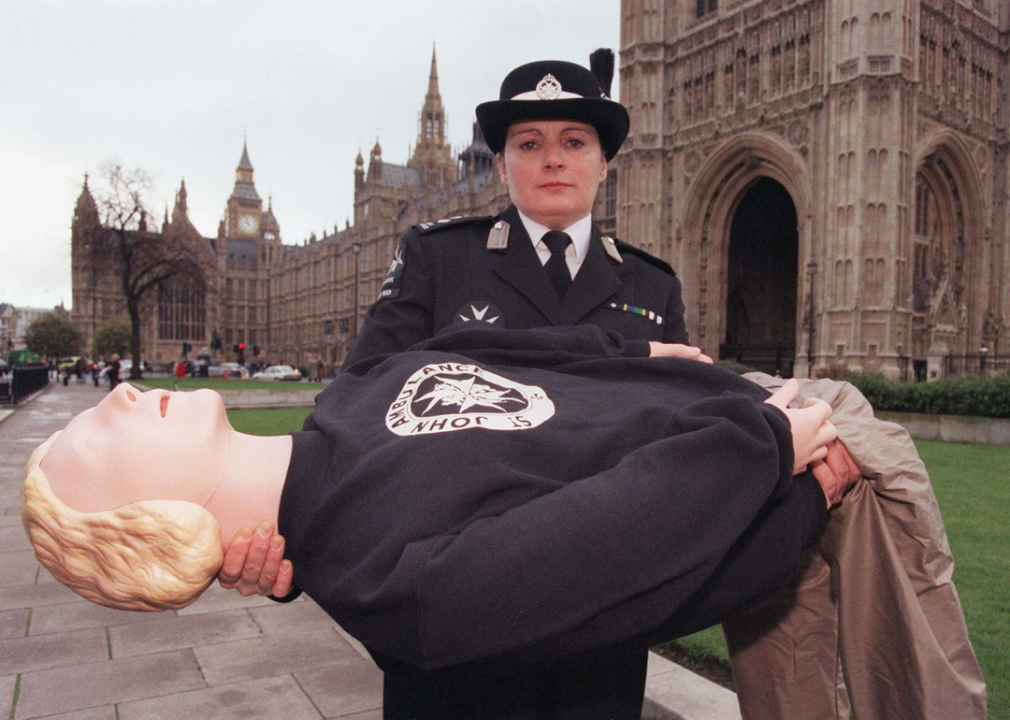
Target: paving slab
675,693
106,712
24,596
48,651
217,599
12,534
14,623
277,698
81,687
367,715
275,655
8,683
81,615
294,617
19,567
171,632
343,690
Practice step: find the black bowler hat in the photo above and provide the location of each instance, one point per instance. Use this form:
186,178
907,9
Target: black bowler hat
558,90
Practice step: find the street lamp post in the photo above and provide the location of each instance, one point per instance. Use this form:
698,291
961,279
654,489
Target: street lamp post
811,325
356,249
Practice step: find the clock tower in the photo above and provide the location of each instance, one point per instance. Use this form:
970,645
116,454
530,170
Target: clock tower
244,214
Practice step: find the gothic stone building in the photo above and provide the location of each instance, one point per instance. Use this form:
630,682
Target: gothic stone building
829,177
227,299
296,303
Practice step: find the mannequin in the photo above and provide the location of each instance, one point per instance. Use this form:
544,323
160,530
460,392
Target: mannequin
184,482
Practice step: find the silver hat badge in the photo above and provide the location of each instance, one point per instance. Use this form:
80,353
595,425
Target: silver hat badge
548,88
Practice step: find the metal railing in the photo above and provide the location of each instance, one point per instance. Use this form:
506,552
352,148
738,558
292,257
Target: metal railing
980,364
21,382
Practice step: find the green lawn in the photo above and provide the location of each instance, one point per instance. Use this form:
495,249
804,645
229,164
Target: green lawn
972,485
268,422
191,383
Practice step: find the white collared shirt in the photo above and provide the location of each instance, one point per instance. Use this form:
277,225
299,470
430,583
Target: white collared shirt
580,233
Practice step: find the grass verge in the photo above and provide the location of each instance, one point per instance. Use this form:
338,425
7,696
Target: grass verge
191,383
268,422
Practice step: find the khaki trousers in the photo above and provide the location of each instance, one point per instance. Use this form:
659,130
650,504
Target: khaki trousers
873,623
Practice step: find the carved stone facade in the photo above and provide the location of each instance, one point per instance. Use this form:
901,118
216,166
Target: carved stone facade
828,178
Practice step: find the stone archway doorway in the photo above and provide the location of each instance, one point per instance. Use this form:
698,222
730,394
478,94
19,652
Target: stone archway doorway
762,280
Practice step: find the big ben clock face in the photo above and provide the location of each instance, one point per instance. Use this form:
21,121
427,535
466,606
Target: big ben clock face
248,224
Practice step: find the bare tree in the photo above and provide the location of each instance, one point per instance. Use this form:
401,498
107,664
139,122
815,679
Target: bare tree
142,260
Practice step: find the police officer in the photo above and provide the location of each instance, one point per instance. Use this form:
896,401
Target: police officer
541,262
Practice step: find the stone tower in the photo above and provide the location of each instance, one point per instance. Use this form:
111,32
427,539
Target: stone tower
244,212
93,286
432,156
829,179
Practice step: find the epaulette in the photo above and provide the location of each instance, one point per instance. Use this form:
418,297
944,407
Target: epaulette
639,253
428,227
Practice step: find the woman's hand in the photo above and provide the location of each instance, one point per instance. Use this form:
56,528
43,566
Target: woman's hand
255,564
677,350
810,427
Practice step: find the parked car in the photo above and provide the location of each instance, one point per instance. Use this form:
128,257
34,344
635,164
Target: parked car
234,370
278,372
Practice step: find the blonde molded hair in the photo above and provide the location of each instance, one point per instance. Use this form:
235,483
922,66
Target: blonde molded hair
150,555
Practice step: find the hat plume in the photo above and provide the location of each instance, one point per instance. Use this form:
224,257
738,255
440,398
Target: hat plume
601,63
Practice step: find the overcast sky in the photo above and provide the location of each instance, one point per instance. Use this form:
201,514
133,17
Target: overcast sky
174,86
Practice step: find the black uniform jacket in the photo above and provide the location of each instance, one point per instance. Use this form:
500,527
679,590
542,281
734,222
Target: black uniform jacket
503,497
445,274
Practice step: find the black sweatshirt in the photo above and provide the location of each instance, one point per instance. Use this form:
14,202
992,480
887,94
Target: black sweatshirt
511,496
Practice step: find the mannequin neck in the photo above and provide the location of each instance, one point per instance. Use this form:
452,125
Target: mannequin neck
251,486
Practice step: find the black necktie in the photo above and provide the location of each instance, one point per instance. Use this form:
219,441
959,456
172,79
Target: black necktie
557,266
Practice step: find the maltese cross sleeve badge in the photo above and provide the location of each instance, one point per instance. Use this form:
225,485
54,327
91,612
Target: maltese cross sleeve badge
480,311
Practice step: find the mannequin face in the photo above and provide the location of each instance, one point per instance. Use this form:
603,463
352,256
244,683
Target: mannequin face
139,446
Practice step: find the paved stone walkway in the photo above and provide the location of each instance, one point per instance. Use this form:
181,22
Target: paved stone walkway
225,657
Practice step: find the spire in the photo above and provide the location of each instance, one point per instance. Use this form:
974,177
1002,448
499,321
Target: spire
244,171
244,163
181,210
432,157
433,76
86,210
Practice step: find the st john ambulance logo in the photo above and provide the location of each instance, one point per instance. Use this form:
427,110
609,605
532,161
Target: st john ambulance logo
456,396
391,284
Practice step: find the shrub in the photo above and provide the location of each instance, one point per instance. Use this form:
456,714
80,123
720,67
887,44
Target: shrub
982,397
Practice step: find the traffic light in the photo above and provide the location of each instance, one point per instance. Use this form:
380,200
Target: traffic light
241,347
256,350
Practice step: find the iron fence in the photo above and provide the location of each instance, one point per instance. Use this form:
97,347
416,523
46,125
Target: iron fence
22,382
980,364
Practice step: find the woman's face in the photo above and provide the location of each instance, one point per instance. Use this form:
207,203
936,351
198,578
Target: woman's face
553,169
140,446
